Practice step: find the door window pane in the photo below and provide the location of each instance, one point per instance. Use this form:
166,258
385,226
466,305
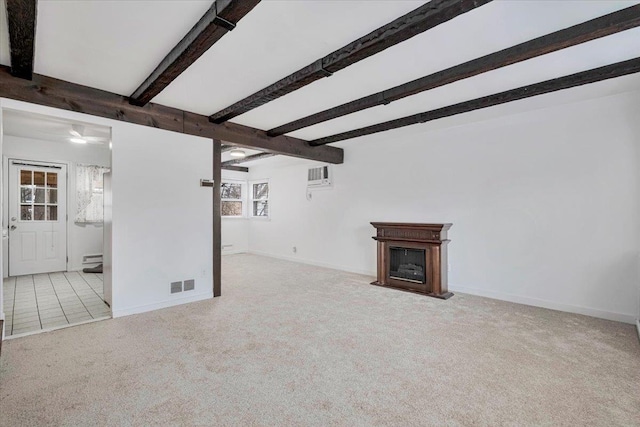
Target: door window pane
52,196
52,180
39,195
25,178
38,213
26,195
38,178
26,212
52,213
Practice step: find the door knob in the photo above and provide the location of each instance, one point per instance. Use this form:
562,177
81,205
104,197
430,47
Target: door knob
13,218
13,227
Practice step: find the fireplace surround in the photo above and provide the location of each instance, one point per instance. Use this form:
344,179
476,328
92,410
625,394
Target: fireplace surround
413,257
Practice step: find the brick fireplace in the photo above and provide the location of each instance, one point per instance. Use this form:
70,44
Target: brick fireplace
413,257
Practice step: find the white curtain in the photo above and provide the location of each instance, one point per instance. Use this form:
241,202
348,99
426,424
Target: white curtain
89,193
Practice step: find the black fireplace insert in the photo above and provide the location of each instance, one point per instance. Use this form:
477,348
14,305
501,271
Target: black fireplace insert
407,264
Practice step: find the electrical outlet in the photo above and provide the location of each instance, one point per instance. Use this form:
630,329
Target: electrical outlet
176,287
203,273
295,250
189,285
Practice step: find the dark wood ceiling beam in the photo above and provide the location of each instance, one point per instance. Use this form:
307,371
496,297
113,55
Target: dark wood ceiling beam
235,168
247,159
571,36
65,95
244,136
591,76
21,20
222,17
217,219
415,22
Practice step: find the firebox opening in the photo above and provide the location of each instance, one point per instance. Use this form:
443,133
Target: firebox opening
407,264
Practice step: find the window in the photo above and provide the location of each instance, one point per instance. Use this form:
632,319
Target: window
38,195
260,199
89,193
231,195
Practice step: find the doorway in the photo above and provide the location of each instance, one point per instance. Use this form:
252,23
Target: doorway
52,222
37,217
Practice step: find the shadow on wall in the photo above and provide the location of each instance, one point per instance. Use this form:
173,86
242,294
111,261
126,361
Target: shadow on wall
615,278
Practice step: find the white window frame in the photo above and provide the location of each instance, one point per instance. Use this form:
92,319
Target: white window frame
267,199
242,199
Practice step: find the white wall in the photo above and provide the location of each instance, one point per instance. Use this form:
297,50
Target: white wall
235,231
544,205
83,238
162,229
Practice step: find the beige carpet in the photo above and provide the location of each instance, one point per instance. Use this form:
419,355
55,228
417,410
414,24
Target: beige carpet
289,344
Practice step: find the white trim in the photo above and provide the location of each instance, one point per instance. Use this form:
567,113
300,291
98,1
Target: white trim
638,328
162,304
315,263
535,302
251,199
234,251
242,199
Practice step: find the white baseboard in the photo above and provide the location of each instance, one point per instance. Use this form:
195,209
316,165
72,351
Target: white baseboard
162,304
536,302
315,263
618,317
234,251
638,327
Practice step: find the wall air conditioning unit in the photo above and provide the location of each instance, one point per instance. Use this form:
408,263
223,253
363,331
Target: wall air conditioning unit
319,177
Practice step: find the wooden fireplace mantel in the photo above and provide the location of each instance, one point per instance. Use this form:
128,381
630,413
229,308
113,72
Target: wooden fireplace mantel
430,238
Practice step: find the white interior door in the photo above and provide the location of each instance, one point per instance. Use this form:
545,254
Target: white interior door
37,217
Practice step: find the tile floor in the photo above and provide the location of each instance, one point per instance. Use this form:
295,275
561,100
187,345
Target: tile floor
43,301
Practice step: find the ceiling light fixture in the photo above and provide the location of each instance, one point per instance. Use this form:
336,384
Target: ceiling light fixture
237,153
78,140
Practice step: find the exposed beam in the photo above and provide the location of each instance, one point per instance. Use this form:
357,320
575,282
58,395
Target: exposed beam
235,168
571,36
217,220
247,159
591,76
21,19
56,93
413,23
244,136
222,17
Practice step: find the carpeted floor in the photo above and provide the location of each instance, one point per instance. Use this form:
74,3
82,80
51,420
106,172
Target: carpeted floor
290,344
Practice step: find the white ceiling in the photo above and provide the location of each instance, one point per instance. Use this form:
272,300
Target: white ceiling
114,45
226,156
46,128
